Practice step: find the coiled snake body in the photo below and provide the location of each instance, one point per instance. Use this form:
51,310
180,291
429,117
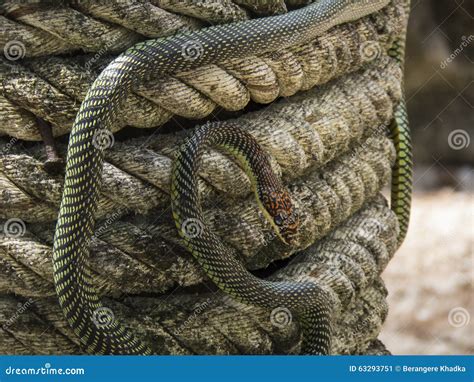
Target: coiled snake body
220,264
72,276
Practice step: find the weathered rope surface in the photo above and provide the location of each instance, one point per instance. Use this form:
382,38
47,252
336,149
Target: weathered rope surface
343,122
299,133
51,88
347,263
135,256
112,26
137,179
52,28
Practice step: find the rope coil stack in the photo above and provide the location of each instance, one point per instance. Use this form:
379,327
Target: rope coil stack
52,87
329,144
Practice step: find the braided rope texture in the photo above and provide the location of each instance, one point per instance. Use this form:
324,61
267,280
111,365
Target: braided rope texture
115,25
329,144
328,187
53,87
347,263
310,127
50,28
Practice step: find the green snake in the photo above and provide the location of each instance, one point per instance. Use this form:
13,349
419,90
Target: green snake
72,276
400,199
221,265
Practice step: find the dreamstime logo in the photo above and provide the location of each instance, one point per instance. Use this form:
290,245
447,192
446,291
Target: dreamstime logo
378,132
268,238
294,39
116,214
22,308
459,139
9,145
14,50
103,317
108,46
192,50
192,228
459,317
103,139
370,50
200,308
281,317
466,40
14,228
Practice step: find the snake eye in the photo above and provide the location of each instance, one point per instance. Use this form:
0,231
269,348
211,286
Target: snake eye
278,220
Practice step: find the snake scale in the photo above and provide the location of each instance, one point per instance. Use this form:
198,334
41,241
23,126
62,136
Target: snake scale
400,131
72,275
221,265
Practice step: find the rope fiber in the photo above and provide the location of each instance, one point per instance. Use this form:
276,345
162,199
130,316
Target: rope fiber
330,145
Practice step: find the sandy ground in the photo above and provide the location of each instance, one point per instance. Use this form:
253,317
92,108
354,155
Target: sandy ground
430,280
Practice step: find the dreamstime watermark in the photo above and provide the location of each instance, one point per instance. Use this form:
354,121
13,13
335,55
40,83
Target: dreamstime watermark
281,317
466,40
255,340
22,308
197,311
370,50
112,218
103,317
103,139
268,238
294,39
192,228
14,228
9,145
44,370
109,43
192,50
379,132
459,139
14,50
459,317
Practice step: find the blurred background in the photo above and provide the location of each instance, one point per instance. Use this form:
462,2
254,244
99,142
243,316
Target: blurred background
430,280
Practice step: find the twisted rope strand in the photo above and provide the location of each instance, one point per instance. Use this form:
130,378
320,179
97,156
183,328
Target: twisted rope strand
152,259
51,88
250,73
183,319
316,125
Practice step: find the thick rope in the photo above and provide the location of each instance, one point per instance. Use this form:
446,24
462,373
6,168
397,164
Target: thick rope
347,263
146,255
113,26
136,178
299,133
335,191
52,88
110,26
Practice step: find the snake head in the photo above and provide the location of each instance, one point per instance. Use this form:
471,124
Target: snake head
283,215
